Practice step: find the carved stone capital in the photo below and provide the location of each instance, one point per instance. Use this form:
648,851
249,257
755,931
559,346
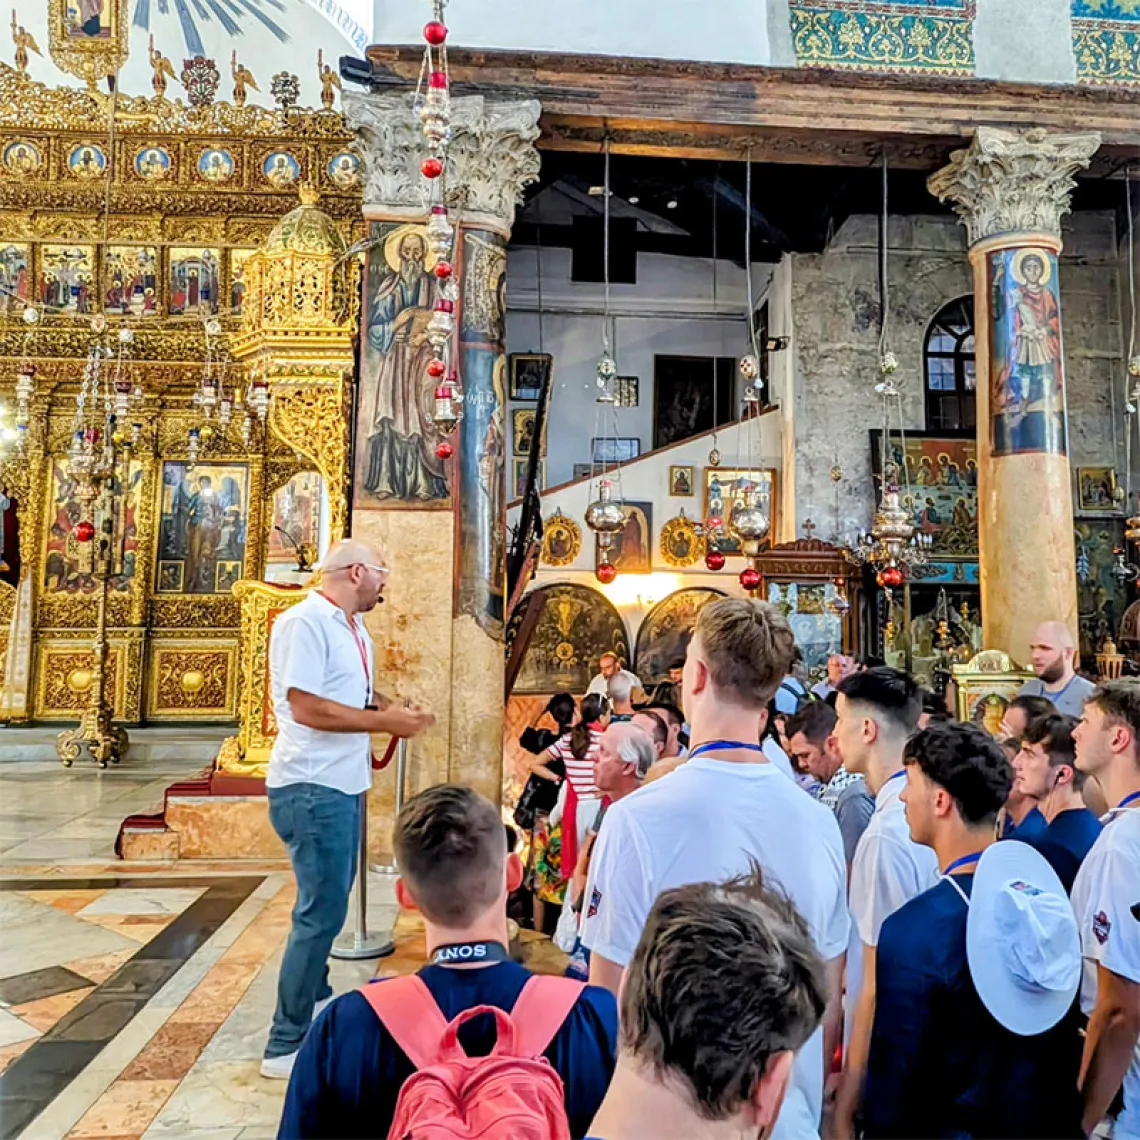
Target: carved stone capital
1013,181
490,159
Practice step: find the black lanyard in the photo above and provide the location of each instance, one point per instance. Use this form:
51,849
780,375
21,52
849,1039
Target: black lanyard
470,953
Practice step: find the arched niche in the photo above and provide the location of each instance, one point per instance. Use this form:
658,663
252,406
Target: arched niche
665,632
570,627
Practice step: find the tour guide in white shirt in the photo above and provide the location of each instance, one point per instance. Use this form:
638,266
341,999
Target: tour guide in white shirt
1106,899
722,811
320,673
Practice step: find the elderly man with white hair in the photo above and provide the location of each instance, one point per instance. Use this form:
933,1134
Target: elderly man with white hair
1052,655
320,675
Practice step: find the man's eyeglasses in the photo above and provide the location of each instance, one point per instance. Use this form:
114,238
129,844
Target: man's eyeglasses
374,566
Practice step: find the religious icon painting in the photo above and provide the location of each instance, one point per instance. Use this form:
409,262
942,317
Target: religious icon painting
202,525
1096,489
90,19
561,540
664,635
296,518
725,488
227,574
281,169
344,170
681,482
215,165
15,286
524,421
238,258
130,280
152,163
632,549
528,371
193,281
21,158
680,545
86,161
520,470
67,278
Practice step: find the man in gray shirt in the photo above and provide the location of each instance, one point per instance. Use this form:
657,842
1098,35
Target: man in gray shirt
812,745
1052,656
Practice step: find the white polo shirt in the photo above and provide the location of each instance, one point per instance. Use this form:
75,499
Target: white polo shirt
313,648
1106,890
889,869
705,823
601,686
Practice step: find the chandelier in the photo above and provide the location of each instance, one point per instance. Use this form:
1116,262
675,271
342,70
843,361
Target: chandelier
219,401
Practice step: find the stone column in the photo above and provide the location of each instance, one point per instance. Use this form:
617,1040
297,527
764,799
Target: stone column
439,637
1010,189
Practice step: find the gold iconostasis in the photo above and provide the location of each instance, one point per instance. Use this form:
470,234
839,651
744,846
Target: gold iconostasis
148,227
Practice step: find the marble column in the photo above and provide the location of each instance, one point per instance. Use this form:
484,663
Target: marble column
439,637
1011,188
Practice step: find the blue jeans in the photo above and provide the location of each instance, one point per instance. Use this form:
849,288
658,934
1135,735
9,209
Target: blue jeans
321,828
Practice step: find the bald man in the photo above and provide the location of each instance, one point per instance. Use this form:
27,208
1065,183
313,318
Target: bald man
1052,656
320,674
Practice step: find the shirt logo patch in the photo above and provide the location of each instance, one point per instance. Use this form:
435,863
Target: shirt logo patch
1101,927
595,902
1025,888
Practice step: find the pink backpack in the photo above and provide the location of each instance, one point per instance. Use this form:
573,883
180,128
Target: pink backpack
514,1093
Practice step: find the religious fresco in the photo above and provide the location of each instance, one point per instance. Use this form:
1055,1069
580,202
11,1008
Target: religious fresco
632,549
396,464
14,283
663,637
1101,599
86,161
929,36
296,519
940,489
281,169
1027,384
344,169
481,453
67,275
216,165
21,158
68,563
724,488
130,280
152,163
1106,40
193,281
202,527
576,627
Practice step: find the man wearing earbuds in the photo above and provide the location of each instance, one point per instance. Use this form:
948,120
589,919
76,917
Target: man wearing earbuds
320,673
1045,772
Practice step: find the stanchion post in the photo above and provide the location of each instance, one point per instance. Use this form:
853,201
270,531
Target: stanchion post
401,782
359,943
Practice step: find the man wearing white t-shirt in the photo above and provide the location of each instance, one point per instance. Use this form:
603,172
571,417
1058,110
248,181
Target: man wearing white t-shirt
609,666
1106,899
725,809
878,709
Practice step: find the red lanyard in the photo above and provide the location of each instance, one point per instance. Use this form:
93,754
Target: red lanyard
359,645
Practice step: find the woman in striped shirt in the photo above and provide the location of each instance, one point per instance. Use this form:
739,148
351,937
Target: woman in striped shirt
578,799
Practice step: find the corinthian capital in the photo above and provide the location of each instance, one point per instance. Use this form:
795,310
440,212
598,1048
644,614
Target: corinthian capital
490,159
1013,181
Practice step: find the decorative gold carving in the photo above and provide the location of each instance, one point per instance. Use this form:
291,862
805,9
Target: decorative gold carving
192,681
64,677
92,50
680,545
185,611
561,540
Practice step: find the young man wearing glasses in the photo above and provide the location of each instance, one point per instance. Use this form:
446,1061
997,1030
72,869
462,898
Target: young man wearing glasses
320,671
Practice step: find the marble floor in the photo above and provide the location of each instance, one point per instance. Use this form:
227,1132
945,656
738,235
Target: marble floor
135,999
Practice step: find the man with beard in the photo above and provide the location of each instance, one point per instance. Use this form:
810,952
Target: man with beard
1052,657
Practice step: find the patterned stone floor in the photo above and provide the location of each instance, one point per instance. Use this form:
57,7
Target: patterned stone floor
135,999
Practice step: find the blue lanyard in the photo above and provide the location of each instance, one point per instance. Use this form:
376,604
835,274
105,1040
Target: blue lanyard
899,775
1129,799
469,953
723,746
961,863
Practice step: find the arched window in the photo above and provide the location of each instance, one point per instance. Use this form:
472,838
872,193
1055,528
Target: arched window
948,357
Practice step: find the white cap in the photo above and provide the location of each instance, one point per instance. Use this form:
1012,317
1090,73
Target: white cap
1022,942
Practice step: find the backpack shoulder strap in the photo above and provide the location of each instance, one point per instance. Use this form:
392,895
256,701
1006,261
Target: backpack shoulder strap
410,1015
540,1010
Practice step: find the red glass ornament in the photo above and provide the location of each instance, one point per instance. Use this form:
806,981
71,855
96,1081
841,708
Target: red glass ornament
605,573
436,369
750,578
435,33
715,522
444,306
439,210
438,80
444,450
84,531
443,270
714,560
890,577
431,167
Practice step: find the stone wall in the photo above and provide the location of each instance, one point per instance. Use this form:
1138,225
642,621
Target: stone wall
834,367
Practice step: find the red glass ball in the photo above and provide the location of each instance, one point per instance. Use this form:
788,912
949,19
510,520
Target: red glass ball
444,450
438,80
443,305
890,577
750,578
436,369
715,522
605,573
714,560
84,531
435,33
431,167
443,270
